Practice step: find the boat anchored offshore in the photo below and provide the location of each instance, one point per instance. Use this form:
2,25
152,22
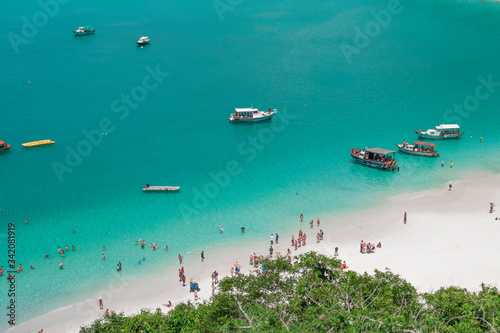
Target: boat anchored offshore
440,132
251,115
143,41
161,188
38,143
4,146
378,158
418,148
82,31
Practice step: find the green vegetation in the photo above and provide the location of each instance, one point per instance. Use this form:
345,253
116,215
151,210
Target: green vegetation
316,296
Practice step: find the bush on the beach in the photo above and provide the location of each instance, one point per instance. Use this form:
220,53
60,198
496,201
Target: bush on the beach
315,295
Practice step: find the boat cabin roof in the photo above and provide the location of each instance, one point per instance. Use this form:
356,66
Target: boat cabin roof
1,142
381,151
450,126
424,143
246,110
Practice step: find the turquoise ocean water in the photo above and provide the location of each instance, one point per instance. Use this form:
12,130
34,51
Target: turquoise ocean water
291,56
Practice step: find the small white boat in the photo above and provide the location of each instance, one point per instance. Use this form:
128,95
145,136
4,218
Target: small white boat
251,115
143,40
440,132
161,188
82,31
418,148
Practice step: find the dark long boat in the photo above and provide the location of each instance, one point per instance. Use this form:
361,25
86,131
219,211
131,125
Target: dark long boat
378,158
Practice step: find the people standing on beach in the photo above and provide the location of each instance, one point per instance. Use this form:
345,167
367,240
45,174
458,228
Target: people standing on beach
491,207
321,234
295,245
271,238
213,289
101,303
299,240
304,239
202,256
311,223
277,238
232,271
379,245
271,250
216,277
405,218
180,258
317,222
301,218
106,313
183,280
293,240
361,247
336,252
180,276
317,237
449,186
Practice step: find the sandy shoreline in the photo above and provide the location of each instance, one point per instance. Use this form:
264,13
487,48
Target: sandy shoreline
450,239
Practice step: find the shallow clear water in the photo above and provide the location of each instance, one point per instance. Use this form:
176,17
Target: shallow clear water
282,55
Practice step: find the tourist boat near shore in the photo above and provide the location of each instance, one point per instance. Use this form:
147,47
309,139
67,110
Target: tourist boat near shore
440,132
143,40
251,115
83,31
378,158
4,146
161,188
418,148
38,143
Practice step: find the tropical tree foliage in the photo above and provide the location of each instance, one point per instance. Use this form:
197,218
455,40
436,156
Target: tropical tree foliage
315,295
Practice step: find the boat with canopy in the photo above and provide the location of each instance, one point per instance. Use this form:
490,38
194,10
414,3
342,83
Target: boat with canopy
251,115
418,148
450,131
378,158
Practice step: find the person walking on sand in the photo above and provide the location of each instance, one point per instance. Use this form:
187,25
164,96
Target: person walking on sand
101,304
405,218
317,222
202,256
301,218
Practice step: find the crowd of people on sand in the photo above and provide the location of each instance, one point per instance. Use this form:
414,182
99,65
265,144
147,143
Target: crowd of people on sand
368,247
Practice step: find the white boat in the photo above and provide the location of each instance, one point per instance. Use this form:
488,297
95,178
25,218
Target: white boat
440,132
161,188
251,115
82,31
418,148
143,40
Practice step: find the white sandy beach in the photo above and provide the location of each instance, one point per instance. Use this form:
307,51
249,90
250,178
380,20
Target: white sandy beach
450,239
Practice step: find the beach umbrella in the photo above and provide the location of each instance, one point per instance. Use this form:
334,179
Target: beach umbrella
195,280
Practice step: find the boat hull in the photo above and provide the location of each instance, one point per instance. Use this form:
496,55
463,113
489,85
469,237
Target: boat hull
251,120
416,153
424,135
38,143
161,188
82,33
